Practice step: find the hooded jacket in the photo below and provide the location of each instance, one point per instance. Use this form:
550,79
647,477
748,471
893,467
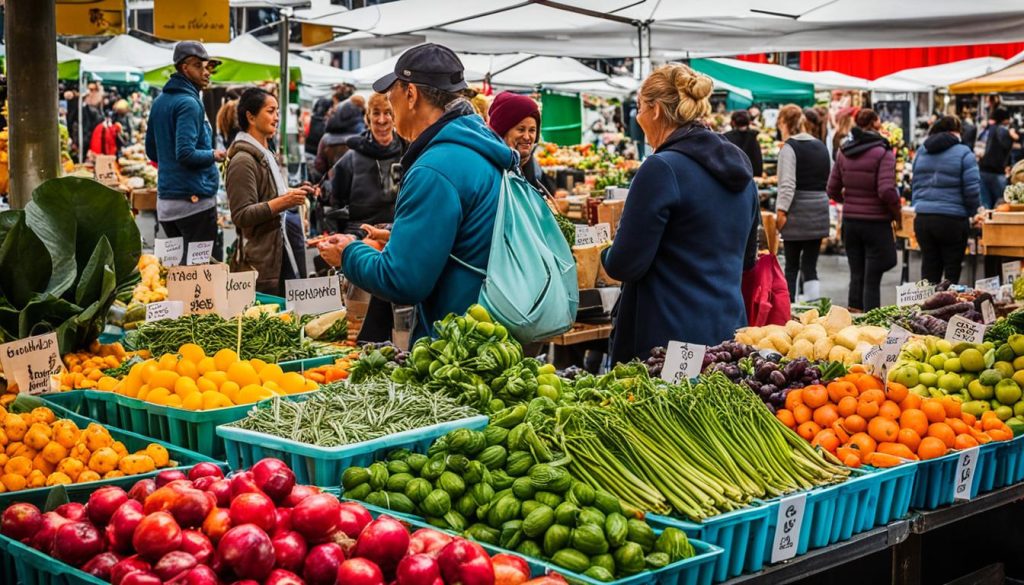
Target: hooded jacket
687,233
363,180
946,178
346,122
250,186
446,206
864,178
317,125
180,140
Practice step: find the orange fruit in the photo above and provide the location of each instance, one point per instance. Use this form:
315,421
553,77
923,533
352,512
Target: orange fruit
915,420
898,449
965,441
866,382
910,438
889,410
877,459
802,414
855,423
883,430
863,443
867,409
942,432
896,392
968,418
912,401
951,405
815,396
825,415
933,410
959,427
786,417
1000,434
846,406
840,389
808,430
931,448
794,398
827,440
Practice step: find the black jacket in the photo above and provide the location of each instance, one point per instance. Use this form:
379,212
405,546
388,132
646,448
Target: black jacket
363,180
747,141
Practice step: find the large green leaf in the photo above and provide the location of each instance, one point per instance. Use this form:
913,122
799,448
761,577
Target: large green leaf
70,215
8,219
98,279
46,313
24,264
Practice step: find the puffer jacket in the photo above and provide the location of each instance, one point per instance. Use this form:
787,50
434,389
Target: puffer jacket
946,178
864,178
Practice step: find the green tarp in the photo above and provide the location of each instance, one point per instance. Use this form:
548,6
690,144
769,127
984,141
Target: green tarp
563,118
231,71
765,88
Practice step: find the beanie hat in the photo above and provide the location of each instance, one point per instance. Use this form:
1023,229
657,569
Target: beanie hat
508,109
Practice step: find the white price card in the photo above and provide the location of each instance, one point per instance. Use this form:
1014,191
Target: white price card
31,362
682,361
788,522
988,312
201,289
883,357
603,233
964,477
913,293
199,252
1011,271
312,296
961,328
164,310
989,284
169,251
585,236
241,293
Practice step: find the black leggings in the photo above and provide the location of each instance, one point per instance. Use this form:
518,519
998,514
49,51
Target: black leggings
870,251
801,258
201,227
943,240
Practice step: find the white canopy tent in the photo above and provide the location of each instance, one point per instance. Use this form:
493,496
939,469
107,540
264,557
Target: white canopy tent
102,67
247,48
937,76
822,80
135,52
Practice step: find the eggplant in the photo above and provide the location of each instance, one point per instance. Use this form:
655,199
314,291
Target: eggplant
939,300
777,399
778,378
794,369
764,371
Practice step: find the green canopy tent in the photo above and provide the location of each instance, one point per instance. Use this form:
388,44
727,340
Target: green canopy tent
764,88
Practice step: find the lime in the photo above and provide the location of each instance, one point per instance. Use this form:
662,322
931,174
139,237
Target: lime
1004,412
990,377
972,360
979,391
951,382
1007,392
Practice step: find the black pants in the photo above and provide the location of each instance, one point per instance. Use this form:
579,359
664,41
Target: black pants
870,252
378,323
801,258
201,227
943,240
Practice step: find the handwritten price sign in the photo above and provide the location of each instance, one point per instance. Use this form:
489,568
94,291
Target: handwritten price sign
965,467
31,362
963,329
201,289
788,523
682,361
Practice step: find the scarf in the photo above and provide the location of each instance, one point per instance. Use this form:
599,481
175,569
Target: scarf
282,188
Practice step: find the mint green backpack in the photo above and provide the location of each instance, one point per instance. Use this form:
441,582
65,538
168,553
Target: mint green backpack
530,282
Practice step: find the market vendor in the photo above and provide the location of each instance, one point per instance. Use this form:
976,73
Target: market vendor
448,197
689,227
516,118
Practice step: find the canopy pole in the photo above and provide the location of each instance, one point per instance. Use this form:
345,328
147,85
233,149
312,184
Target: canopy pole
284,35
81,132
31,28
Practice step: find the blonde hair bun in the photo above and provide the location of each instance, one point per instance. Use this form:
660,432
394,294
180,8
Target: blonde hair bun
681,92
696,86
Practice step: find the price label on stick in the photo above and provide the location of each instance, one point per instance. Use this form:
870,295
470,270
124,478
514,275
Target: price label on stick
201,289
1011,271
964,477
241,292
988,312
31,362
169,251
603,233
883,357
989,284
585,235
913,293
788,522
682,361
961,328
312,296
164,310
199,252
105,168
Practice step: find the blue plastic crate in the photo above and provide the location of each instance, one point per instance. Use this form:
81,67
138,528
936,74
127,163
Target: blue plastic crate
742,534
892,500
94,404
696,570
934,480
821,512
322,466
1009,462
265,299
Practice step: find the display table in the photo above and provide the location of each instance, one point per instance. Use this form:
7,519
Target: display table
1003,234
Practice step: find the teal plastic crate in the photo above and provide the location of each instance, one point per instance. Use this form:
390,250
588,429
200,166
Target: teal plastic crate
265,299
322,466
132,441
934,480
308,363
696,570
742,535
874,497
35,568
821,512
1009,462
94,404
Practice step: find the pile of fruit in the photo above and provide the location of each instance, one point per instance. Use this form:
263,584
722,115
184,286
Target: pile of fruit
859,420
191,380
86,368
40,450
984,377
153,287
833,337
256,527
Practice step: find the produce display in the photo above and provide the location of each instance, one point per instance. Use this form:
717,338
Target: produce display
500,486
256,526
153,287
192,380
135,165
832,337
40,450
85,368
344,414
983,377
1000,331
933,316
860,420
327,373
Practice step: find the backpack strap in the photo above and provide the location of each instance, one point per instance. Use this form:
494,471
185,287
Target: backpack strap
468,266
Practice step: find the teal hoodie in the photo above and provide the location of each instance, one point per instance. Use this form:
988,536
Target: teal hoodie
446,206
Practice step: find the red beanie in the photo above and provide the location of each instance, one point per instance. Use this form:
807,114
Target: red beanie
508,109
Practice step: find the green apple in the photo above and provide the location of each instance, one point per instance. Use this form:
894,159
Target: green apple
1007,392
1018,409
943,346
1016,342
1018,377
976,407
928,379
979,391
968,377
1005,353
925,367
905,375
937,361
951,382
935,393
1004,412
921,390
1018,363
1005,369
952,365
990,377
972,360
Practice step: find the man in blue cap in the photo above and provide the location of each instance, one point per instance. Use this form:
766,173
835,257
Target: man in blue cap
448,198
180,140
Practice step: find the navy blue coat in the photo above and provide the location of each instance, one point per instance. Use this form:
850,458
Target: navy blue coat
179,139
687,233
946,178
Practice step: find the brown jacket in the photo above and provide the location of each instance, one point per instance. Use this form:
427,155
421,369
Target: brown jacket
250,185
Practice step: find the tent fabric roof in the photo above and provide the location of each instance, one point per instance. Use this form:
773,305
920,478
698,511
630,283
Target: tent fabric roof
822,80
763,87
247,48
135,52
1010,79
937,76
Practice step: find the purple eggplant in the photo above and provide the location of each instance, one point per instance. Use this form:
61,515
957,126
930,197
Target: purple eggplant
778,378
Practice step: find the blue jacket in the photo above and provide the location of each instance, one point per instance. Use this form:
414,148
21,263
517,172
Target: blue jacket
446,206
687,232
179,139
946,179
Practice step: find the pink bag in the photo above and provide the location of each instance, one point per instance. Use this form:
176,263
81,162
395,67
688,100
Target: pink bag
765,293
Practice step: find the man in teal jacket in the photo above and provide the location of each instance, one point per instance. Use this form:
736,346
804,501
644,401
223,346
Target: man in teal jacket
448,199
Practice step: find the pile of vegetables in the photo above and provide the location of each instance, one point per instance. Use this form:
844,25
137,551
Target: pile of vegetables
1000,331
63,259
347,413
932,317
501,486
153,286
85,368
696,449
833,337
265,337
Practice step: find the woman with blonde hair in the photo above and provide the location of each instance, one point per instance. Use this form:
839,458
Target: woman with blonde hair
689,228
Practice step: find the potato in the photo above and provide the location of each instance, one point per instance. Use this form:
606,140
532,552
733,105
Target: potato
837,319
781,341
754,333
838,353
765,343
812,333
847,337
822,347
802,348
809,317
744,337
873,335
793,328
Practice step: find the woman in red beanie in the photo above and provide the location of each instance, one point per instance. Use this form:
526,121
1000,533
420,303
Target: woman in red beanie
516,119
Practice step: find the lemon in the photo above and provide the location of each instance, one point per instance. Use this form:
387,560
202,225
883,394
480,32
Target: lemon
292,383
106,383
311,385
149,367
273,387
205,384
243,374
191,352
187,369
136,370
257,364
185,386
206,365
143,392
164,379
271,373
218,378
224,358
130,386
193,401
173,400
168,361
159,396
230,390
253,393
212,400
